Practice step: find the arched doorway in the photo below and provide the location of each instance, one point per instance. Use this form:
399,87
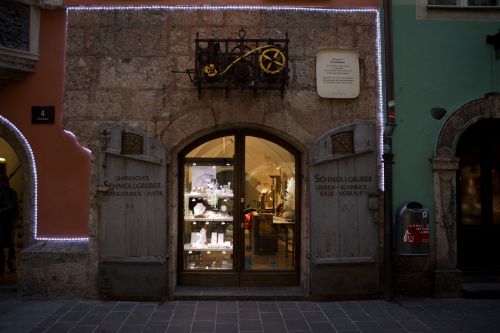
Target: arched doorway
478,198
448,276
239,220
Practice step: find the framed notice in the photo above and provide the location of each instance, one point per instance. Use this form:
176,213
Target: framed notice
337,73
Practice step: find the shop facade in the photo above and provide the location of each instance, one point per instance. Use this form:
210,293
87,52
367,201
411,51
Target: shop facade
238,168
253,179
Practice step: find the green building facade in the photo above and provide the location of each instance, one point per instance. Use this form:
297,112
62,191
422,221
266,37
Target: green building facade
446,85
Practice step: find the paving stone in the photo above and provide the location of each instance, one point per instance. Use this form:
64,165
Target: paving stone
414,326
342,324
296,325
268,307
116,316
358,316
161,316
203,326
93,319
271,317
155,328
248,314
274,327
179,328
292,314
227,306
315,316
321,327
227,318
226,328
60,328
73,316
250,325
131,328
109,327
84,329
137,318
205,315
370,327
335,313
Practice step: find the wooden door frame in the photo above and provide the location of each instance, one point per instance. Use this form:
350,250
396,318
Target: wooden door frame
239,276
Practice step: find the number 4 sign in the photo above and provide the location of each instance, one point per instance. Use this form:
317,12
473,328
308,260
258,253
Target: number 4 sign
42,114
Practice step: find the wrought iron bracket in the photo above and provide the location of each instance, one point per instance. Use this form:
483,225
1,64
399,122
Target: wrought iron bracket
240,64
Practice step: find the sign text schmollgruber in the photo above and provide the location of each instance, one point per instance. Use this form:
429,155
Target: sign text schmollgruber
342,185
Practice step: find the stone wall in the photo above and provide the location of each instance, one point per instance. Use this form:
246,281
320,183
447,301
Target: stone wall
55,270
119,69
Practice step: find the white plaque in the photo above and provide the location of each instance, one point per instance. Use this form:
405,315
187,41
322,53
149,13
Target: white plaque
337,73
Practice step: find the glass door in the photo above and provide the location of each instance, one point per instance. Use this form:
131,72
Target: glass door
269,206
238,207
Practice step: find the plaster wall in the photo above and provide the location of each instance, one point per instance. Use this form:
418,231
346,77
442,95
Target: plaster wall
62,165
436,64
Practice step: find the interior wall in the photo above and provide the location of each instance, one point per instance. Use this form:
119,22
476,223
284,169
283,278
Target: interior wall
16,182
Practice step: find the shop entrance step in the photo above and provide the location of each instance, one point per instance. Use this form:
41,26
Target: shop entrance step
239,293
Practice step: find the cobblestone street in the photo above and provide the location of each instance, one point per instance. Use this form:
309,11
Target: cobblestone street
409,315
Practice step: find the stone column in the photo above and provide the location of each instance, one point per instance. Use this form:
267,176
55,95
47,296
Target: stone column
447,278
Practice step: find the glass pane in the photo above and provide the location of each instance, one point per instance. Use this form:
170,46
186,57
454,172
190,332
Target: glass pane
270,206
208,207
495,174
482,3
443,2
220,147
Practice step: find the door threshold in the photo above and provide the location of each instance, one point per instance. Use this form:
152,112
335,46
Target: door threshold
239,293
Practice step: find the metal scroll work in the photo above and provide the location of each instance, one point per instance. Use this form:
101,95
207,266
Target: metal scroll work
241,64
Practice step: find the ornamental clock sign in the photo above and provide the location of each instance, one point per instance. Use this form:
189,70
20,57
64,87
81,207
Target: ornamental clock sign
240,64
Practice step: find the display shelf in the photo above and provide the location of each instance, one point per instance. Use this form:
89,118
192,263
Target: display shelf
208,219
188,247
206,195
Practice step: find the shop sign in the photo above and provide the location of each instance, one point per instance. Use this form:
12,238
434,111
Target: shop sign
337,73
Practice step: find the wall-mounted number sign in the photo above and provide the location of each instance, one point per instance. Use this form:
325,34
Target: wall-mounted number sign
42,114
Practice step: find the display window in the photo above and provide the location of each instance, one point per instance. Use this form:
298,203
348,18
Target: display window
239,208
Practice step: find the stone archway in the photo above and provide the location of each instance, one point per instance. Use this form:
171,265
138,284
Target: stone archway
10,133
447,278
